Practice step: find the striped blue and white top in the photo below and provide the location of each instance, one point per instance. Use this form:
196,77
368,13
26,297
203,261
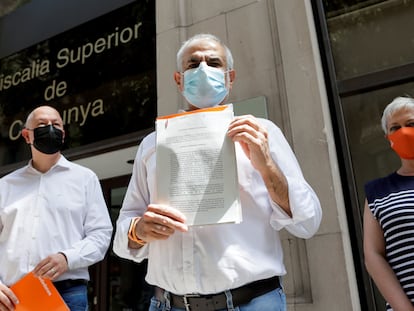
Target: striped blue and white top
391,201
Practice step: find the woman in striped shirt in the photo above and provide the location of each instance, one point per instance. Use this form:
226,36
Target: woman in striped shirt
389,213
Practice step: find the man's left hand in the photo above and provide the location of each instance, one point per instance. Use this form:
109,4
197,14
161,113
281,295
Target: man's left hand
52,266
253,139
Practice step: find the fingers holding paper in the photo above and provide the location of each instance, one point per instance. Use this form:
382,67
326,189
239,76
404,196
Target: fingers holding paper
8,299
51,267
252,137
159,222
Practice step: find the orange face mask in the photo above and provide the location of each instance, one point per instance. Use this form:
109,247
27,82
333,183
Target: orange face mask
402,141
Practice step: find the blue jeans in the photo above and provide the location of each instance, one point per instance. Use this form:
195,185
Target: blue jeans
271,301
76,297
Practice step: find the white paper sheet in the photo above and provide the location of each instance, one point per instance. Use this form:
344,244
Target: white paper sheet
196,166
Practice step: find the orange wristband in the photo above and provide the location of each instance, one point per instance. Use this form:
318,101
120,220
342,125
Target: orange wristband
132,235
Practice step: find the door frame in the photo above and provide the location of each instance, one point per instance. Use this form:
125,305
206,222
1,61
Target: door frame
98,291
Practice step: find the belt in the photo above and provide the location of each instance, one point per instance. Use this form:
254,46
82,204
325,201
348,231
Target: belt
241,295
66,284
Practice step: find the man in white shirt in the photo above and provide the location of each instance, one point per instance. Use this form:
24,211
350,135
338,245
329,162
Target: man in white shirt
223,266
53,217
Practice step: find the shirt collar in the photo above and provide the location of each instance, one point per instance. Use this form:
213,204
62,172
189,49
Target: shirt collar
61,163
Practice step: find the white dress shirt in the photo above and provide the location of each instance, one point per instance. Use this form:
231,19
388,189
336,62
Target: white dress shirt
62,210
211,259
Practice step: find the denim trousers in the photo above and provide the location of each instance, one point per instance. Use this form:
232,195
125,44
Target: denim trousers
75,297
271,301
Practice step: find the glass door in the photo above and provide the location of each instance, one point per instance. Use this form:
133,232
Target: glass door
366,48
118,284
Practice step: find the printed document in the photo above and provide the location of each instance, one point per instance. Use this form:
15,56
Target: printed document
196,166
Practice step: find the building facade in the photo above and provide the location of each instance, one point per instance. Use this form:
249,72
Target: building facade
321,70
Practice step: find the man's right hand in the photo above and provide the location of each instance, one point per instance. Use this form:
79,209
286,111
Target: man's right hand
159,222
8,299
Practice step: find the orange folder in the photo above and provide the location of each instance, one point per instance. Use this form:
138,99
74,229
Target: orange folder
37,294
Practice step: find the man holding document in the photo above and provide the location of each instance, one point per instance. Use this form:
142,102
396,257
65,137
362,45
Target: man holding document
208,195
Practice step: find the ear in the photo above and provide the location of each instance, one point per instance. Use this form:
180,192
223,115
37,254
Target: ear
232,76
178,80
388,140
25,135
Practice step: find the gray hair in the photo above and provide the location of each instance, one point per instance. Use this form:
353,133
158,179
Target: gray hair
398,103
203,36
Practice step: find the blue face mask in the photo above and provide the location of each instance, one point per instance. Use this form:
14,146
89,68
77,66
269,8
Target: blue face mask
204,86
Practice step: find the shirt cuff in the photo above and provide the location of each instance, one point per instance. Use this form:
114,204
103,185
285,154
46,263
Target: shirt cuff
302,202
121,248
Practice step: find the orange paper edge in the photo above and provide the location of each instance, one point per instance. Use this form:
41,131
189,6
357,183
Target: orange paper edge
211,109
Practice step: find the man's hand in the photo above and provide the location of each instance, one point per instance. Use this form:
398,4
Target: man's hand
8,299
52,266
252,137
159,222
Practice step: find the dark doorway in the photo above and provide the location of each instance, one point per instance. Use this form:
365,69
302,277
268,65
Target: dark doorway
118,284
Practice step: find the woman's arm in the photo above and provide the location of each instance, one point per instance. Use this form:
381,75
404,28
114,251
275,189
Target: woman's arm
378,266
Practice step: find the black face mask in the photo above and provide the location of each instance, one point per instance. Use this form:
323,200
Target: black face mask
48,139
